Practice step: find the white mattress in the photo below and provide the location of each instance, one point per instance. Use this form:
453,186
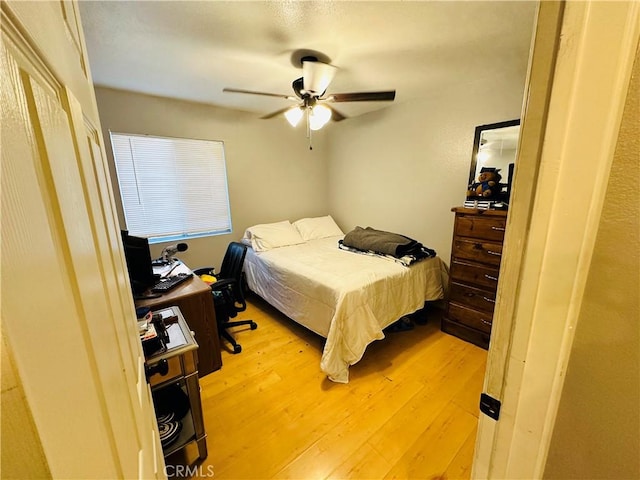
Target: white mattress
346,297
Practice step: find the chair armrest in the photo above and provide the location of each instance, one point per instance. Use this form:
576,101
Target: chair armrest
205,271
222,283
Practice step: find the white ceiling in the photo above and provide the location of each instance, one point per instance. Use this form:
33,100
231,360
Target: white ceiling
192,50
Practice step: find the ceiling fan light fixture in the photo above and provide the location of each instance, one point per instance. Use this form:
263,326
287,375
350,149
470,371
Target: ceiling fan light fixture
317,76
309,90
294,115
318,117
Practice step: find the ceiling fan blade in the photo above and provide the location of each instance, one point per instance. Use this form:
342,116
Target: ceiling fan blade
276,113
336,116
317,76
251,92
362,96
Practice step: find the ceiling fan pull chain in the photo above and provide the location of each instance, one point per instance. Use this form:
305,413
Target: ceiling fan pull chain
307,113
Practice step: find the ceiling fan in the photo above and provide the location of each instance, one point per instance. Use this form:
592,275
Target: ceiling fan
310,90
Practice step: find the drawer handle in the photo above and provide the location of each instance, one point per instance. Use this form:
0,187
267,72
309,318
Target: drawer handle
497,254
490,300
499,229
495,279
485,322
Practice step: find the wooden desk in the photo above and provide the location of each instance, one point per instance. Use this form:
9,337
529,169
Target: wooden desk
193,297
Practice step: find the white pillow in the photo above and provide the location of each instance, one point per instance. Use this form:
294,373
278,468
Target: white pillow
266,236
317,227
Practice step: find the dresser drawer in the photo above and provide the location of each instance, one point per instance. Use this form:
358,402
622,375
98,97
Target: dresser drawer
477,226
472,335
476,255
478,250
174,372
472,297
469,317
474,274
178,366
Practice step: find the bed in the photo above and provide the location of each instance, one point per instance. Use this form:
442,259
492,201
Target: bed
347,298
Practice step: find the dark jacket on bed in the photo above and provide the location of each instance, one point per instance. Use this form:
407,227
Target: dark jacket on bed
387,243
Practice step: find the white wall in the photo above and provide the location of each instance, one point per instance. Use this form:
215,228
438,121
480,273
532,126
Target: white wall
272,174
403,168
399,169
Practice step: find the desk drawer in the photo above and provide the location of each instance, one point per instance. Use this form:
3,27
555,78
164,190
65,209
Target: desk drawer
478,250
471,318
472,297
175,371
179,366
469,273
477,226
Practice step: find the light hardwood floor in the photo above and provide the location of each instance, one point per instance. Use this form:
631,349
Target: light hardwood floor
409,411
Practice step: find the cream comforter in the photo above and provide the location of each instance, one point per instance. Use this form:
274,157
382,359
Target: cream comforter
346,297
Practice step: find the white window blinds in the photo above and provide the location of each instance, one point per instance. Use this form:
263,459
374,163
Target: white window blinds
172,188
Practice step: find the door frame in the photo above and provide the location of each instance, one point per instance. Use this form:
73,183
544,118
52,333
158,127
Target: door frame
580,68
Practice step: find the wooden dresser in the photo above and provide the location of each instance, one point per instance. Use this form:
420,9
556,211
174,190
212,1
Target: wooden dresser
473,278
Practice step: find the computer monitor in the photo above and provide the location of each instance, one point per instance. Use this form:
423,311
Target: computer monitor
138,256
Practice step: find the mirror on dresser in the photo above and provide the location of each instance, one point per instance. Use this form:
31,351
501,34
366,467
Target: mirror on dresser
494,149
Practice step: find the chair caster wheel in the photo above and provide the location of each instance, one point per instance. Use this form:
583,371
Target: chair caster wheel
254,325
237,349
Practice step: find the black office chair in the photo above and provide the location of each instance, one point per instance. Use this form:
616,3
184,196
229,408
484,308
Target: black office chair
228,297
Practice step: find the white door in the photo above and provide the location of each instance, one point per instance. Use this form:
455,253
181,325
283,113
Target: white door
67,310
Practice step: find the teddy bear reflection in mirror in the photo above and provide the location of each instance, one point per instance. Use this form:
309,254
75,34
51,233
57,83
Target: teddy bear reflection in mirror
488,185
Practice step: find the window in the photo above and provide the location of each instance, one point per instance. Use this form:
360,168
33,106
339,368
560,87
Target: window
172,188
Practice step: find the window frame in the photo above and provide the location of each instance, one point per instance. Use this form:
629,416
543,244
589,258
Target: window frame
218,175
